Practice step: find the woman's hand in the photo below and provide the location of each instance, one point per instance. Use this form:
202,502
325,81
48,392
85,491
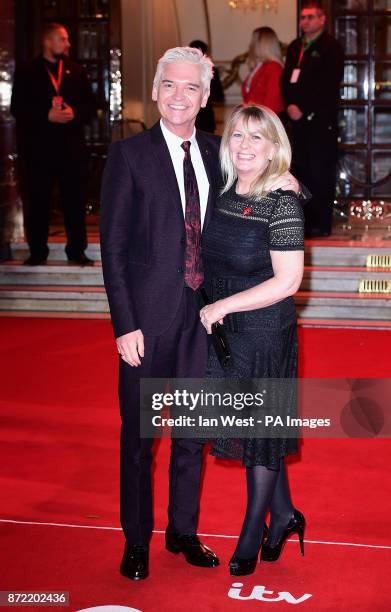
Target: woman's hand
131,347
212,313
286,182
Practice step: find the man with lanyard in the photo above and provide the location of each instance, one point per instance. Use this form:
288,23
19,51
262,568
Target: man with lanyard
51,100
310,89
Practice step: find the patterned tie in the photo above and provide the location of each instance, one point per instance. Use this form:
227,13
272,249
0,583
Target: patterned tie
194,274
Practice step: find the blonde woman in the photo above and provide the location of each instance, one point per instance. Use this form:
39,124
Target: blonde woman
253,249
262,85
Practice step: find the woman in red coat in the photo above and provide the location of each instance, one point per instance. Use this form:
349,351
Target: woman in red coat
262,84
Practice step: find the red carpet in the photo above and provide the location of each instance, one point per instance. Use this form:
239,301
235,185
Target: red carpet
60,464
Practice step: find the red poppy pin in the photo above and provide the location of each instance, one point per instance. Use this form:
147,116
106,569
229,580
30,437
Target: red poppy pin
247,211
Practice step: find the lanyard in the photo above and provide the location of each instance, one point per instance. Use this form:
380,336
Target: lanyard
304,47
56,82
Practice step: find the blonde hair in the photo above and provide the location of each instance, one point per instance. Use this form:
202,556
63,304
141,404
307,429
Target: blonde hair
190,55
267,46
271,128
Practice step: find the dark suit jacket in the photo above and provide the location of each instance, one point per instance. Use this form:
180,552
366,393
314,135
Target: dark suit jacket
32,93
142,230
321,71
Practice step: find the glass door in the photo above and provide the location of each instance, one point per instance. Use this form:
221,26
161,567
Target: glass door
363,27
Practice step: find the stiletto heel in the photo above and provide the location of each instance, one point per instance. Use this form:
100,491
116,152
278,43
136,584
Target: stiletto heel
295,525
300,533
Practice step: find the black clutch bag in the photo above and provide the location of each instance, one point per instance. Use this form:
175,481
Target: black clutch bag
219,337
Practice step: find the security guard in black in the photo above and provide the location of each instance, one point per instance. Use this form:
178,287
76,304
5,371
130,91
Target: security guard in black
310,89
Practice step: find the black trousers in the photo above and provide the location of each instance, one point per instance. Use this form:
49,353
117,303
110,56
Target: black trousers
39,177
314,163
180,352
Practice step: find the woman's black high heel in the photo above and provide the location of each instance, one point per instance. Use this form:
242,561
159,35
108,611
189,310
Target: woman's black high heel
295,525
244,567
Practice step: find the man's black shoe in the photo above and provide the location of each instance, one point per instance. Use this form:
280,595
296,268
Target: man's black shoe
135,562
81,260
35,261
194,551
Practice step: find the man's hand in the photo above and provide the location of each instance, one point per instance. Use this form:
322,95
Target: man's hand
61,115
294,112
286,182
69,112
131,347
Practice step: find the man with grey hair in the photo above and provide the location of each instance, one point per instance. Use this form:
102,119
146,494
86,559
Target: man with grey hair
158,192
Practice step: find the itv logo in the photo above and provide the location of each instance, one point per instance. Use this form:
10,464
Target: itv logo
260,593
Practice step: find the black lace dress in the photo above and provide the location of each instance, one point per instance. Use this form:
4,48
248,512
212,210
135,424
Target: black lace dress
236,249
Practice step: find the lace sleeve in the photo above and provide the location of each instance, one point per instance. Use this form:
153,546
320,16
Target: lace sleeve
286,224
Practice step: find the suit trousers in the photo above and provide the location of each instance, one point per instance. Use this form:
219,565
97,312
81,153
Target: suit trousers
40,176
180,352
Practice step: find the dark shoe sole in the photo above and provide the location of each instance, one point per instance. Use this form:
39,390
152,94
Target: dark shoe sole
236,572
123,573
176,551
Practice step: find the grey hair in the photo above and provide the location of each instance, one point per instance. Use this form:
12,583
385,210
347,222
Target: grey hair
190,55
